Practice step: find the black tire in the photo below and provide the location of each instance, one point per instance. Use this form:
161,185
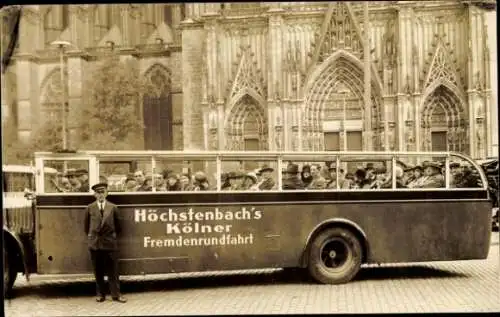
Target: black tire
9,274
335,256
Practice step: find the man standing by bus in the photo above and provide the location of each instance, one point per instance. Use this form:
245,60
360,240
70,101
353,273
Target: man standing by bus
101,228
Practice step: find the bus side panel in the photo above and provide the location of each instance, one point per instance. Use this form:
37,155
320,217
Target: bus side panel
62,243
199,238
420,231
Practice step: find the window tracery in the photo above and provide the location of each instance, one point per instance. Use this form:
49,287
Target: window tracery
246,119
324,100
443,110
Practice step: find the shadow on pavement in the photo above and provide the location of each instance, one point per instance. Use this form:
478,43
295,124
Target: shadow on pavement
79,288
404,272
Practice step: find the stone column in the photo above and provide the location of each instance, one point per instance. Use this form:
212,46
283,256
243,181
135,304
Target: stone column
28,95
30,24
75,65
274,83
192,55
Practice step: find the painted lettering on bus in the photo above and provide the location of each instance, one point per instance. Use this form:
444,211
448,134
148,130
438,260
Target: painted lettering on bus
154,215
188,228
181,241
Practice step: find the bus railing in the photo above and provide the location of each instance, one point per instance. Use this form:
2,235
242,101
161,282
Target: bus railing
279,158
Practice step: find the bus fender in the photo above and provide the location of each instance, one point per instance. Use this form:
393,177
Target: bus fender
12,241
336,222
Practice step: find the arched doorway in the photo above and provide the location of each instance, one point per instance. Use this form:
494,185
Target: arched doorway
443,124
246,127
157,110
334,108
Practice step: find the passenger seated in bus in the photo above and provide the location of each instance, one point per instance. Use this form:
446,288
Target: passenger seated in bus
267,182
250,181
318,181
147,186
418,176
360,181
159,182
73,179
225,184
371,178
408,175
349,179
130,183
186,183
380,177
291,178
331,182
235,181
305,175
399,179
200,181
172,182
140,178
434,178
83,177
467,179
52,185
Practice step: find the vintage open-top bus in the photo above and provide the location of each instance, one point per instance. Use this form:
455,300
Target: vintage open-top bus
328,228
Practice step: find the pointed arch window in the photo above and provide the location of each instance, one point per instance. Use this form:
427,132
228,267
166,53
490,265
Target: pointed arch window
157,110
52,91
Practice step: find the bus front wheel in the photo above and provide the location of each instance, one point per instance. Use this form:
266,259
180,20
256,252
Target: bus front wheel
9,274
335,256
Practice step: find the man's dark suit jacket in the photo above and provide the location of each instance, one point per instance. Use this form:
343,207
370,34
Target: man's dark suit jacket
101,231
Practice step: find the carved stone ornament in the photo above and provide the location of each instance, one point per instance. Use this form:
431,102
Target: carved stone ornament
31,15
135,11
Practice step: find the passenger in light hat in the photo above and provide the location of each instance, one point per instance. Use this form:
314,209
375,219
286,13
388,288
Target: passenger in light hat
250,181
200,181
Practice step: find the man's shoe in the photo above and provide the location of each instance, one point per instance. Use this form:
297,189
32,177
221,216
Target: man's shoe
100,299
120,299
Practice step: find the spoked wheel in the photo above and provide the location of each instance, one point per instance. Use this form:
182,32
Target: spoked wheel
335,256
9,274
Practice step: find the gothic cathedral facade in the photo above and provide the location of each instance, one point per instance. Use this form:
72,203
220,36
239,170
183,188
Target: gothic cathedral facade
395,75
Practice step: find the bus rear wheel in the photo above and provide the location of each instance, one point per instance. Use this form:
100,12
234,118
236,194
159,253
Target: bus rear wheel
335,256
9,274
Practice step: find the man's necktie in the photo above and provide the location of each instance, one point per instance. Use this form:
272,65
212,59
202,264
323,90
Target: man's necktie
101,209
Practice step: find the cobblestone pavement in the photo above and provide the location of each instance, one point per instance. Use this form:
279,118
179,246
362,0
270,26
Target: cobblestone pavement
424,287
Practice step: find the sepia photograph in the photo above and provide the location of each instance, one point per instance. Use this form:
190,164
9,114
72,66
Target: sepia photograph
242,158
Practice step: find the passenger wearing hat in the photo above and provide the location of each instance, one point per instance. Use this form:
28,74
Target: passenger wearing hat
360,181
235,181
186,182
418,177
433,177
102,227
200,181
332,178
73,179
250,181
130,183
224,179
267,182
305,175
291,178
172,182
83,177
380,177
456,175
